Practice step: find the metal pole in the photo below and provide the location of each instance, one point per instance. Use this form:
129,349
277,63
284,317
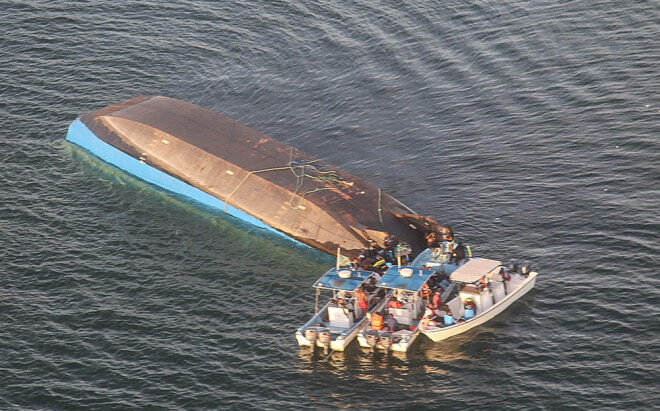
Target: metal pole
316,305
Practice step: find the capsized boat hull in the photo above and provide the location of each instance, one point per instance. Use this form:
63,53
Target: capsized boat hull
439,334
217,161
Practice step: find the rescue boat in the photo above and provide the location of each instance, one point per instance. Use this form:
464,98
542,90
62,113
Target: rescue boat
490,287
406,285
335,326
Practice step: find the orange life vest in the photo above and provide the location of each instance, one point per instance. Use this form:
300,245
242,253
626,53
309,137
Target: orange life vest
426,291
377,322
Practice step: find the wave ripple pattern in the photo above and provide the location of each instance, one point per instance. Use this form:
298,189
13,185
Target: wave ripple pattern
531,128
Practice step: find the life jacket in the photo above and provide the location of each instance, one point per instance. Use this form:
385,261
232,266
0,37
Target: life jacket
484,281
426,291
377,322
395,304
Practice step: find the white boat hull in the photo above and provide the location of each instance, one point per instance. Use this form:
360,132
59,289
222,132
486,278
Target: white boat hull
401,346
336,345
342,337
439,334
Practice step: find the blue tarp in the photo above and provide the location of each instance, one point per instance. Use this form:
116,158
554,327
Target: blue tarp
332,281
393,279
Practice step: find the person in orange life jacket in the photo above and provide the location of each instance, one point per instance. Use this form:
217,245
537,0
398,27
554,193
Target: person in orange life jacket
449,319
426,292
376,321
469,308
361,297
394,303
392,323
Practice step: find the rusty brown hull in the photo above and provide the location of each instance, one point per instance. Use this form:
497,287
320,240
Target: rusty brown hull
288,190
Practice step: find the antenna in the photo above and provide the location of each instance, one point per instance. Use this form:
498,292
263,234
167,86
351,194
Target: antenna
338,251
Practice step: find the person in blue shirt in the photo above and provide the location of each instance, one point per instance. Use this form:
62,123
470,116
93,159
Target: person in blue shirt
449,319
469,308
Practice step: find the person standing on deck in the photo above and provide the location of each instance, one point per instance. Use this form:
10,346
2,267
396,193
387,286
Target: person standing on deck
438,303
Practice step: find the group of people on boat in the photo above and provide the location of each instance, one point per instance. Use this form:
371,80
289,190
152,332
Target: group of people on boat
433,316
376,258
380,322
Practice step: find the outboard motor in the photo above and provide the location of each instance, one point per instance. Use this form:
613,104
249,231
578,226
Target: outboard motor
386,341
324,338
513,266
311,335
525,268
372,339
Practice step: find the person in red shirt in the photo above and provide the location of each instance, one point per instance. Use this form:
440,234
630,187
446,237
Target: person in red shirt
437,300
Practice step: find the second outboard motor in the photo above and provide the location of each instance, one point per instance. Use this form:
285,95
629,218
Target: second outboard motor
513,266
386,341
525,268
372,339
311,335
324,338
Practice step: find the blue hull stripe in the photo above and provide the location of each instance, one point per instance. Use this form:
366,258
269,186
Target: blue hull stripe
80,135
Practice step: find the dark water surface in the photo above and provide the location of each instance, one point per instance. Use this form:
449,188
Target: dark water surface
530,127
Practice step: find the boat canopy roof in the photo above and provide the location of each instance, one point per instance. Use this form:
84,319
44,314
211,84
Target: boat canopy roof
343,280
405,278
474,269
